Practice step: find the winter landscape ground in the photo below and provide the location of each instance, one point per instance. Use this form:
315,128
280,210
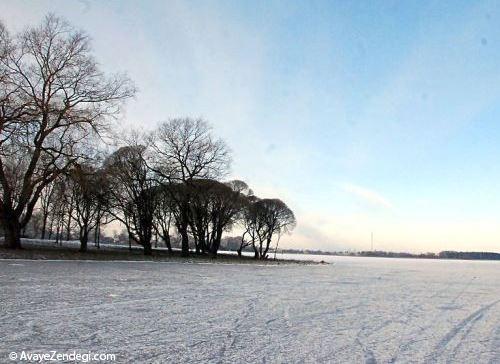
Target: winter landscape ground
356,310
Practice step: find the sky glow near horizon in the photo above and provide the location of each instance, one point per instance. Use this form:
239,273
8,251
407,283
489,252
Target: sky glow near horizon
362,116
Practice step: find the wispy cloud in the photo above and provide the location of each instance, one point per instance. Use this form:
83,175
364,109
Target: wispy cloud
370,196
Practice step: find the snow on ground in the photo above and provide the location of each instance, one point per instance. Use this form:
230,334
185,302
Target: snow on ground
357,310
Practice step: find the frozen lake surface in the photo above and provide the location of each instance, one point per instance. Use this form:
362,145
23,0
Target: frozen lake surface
357,310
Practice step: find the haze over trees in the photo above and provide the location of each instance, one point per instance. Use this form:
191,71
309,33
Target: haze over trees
58,174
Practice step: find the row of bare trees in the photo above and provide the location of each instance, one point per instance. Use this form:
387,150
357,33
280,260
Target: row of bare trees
55,105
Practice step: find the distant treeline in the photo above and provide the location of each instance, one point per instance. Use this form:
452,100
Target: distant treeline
469,255
384,254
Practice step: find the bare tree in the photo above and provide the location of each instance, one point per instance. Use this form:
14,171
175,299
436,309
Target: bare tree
201,194
57,207
265,219
214,208
102,204
185,150
52,97
227,203
163,216
277,218
133,193
86,187
46,198
251,223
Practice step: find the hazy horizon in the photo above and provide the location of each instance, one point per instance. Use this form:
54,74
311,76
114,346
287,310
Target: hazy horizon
364,117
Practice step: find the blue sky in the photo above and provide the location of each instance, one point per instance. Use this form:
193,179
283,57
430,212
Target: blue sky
363,116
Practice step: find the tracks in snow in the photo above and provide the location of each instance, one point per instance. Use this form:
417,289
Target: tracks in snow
465,327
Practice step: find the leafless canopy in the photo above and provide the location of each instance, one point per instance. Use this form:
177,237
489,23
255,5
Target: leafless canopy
186,149
132,193
52,97
263,220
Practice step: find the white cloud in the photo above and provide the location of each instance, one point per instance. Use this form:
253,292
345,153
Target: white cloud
367,195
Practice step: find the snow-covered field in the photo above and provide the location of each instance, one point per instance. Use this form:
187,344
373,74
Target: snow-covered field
357,310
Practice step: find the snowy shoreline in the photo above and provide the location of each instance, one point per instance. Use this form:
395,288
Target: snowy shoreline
46,251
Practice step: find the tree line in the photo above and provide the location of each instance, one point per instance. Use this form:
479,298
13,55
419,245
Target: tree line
56,163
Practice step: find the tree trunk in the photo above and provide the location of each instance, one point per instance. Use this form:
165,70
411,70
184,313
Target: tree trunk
214,248
51,227
84,238
196,245
44,226
184,242
183,228
166,237
266,249
58,233
68,228
147,248
200,238
12,233
239,252
97,235
201,243
68,225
